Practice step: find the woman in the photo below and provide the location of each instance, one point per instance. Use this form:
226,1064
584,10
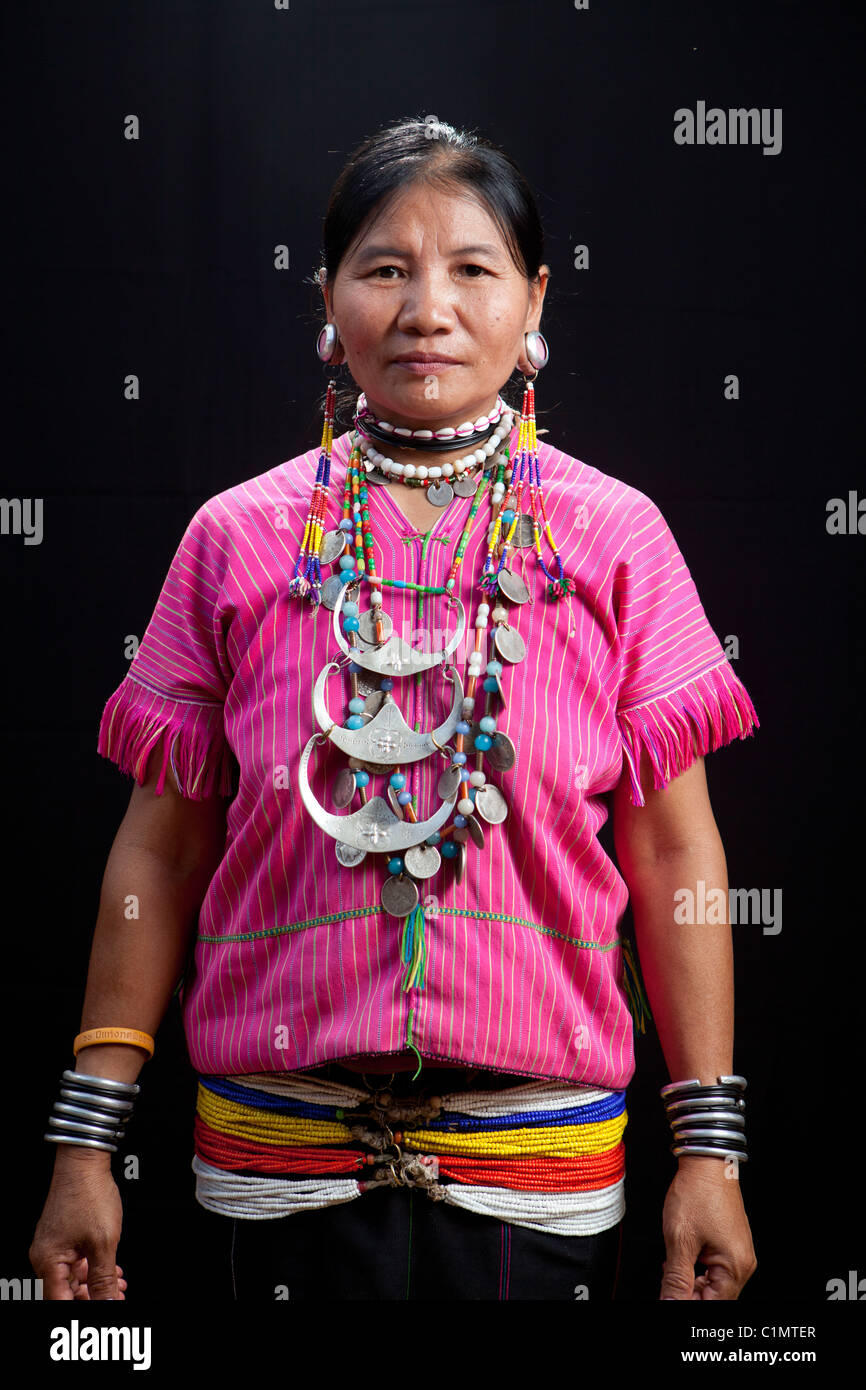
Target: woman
409,1008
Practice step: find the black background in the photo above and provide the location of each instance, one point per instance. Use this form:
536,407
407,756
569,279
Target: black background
155,257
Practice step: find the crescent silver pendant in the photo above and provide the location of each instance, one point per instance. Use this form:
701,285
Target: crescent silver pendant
374,827
395,657
386,738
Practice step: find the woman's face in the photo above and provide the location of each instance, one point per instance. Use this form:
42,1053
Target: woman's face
432,277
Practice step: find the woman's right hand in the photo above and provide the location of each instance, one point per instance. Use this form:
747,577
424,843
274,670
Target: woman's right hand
75,1243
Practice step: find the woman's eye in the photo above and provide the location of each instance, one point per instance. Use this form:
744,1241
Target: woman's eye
472,266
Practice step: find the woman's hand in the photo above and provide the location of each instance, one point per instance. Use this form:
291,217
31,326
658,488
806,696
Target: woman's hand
75,1243
704,1221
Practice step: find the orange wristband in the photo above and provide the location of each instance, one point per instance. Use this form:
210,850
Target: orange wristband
113,1035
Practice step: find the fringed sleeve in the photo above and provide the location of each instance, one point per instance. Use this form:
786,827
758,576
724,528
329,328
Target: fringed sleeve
679,696
178,679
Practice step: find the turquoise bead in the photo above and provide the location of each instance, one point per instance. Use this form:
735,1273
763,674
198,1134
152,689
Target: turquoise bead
357,705
494,668
346,562
361,778
351,624
354,722
449,850
350,609
395,866
433,839
507,518
397,780
490,684
488,723
483,742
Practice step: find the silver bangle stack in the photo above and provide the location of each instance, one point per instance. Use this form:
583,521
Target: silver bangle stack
708,1120
92,1111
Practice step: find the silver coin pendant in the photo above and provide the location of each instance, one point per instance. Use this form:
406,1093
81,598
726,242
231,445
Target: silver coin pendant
490,804
399,895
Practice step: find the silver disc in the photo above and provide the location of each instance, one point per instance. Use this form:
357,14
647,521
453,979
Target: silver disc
466,487
331,590
509,643
422,861
524,532
512,586
501,755
491,804
449,782
367,626
332,547
399,895
348,855
394,803
476,830
374,702
343,787
461,863
374,476
440,493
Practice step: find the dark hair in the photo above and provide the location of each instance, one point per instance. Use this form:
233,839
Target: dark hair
426,150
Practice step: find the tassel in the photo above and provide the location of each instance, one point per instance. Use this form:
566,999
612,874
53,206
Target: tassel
702,715
636,995
410,1043
413,950
195,746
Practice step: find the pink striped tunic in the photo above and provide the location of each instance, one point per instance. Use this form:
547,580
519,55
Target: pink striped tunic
296,961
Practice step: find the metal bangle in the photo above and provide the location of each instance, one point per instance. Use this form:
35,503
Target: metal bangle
710,1117
81,1112
721,1102
679,1149
710,1134
108,1103
738,1083
84,1143
101,1083
76,1127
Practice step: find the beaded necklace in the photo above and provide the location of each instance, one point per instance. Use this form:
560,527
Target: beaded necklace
375,736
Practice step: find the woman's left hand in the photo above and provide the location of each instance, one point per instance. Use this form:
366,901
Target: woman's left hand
704,1221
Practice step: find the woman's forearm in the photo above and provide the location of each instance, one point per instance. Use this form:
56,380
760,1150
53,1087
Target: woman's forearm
687,966
148,909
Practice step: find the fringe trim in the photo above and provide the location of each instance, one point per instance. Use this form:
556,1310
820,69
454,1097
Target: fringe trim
135,717
715,705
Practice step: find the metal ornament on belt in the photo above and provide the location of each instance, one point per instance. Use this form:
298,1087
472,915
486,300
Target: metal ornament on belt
387,737
395,657
374,827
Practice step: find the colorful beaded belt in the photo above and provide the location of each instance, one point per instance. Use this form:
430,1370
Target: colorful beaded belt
543,1154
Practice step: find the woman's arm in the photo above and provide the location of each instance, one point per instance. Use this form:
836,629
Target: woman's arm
667,845
164,855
